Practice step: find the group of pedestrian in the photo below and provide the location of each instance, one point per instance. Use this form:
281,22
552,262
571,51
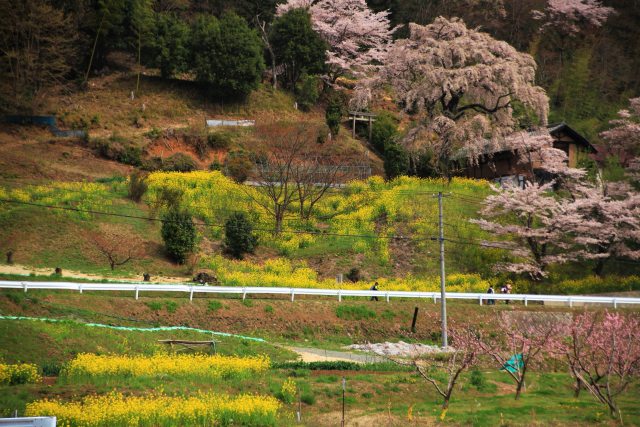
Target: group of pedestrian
504,289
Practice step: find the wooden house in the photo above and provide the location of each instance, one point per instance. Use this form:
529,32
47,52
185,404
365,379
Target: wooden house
502,165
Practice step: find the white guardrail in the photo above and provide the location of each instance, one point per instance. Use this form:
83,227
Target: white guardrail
28,422
292,292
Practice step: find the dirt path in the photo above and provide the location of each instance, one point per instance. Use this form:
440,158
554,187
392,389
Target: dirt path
25,270
320,355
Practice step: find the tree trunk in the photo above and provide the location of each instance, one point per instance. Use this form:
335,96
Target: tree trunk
599,268
519,388
10,257
576,388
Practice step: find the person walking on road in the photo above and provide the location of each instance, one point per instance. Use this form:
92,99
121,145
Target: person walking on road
374,288
491,291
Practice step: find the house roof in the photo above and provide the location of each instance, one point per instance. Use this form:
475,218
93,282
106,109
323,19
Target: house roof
493,147
562,127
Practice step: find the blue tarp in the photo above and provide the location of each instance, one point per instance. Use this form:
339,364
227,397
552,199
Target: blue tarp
514,364
49,121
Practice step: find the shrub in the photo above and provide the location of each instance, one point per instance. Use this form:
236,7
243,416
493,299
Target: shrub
238,165
179,234
238,235
219,140
171,306
137,186
478,380
154,305
354,275
354,312
214,305
268,309
307,92
179,162
308,398
215,166
396,160
383,131
118,149
334,112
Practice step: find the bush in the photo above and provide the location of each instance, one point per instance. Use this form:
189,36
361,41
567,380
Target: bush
396,160
137,186
268,309
238,235
179,162
354,275
171,306
219,140
478,380
238,165
22,373
384,131
354,312
307,92
154,305
179,234
308,398
335,111
118,149
215,166
214,305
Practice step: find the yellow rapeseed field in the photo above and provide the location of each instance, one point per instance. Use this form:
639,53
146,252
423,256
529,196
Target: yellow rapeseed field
178,365
203,409
20,373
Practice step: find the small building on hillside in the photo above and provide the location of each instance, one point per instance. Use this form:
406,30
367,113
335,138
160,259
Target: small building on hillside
502,164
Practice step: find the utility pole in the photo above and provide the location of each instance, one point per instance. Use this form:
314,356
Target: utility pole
443,298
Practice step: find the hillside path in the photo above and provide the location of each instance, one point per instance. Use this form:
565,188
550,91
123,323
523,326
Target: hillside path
309,354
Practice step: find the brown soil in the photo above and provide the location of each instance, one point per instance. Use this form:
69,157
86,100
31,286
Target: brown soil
32,153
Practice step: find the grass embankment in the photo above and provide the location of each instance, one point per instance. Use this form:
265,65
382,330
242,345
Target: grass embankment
386,396
351,228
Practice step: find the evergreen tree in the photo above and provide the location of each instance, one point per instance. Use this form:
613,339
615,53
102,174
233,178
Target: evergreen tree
297,46
238,235
227,55
169,48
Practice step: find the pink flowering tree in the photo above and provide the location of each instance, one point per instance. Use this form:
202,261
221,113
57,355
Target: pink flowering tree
573,16
358,38
623,139
603,354
459,85
527,337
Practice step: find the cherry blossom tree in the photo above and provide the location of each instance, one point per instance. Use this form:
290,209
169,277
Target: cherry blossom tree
459,84
571,17
357,37
604,355
527,336
623,139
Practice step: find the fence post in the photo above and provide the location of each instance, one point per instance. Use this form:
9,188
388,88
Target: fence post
480,299
136,292
570,302
615,303
191,293
244,293
24,285
525,301
292,295
80,287
340,296
387,295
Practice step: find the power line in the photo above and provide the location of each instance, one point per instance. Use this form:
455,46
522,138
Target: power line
204,223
